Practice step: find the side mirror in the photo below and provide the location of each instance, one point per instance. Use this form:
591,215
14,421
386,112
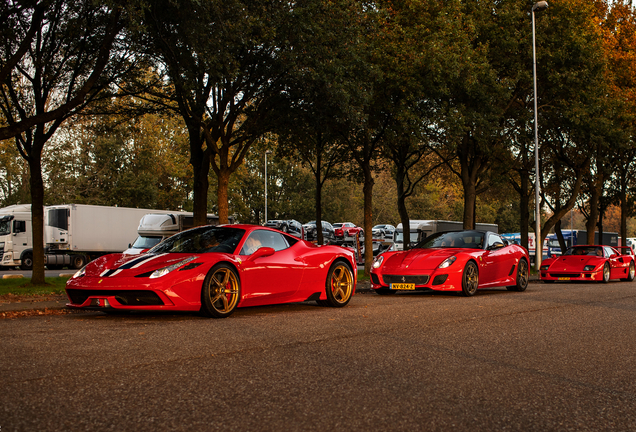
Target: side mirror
261,252
497,245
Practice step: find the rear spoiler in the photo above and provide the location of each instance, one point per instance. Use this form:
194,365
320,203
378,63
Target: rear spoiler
628,251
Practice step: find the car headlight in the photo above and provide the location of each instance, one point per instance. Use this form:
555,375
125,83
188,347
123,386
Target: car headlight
589,268
378,262
447,262
164,271
81,272
545,267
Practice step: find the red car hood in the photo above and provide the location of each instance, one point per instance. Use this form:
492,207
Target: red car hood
124,265
417,259
574,262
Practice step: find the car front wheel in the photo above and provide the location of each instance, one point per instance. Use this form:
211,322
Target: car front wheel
221,292
470,279
522,277
606,273
339,284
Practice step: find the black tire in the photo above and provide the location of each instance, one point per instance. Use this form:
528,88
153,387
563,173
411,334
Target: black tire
221,291
284,229
522,277
385,291
470,279
631,272
78,261
339,284
26,262
606,273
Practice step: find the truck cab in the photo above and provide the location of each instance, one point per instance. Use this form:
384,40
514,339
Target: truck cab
16,238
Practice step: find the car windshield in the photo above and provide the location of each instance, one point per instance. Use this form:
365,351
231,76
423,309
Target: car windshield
202,240
399,236
592,251
454,239
144,242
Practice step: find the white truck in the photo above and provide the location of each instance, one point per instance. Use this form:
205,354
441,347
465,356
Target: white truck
16,238
420,229
155,227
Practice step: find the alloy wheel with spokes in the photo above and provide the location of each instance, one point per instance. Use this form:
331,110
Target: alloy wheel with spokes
606,273
221,291
522,276
339,284
470,279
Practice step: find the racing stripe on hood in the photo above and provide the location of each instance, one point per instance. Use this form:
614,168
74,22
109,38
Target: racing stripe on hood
130,265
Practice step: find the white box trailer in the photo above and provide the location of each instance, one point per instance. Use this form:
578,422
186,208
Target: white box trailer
77,233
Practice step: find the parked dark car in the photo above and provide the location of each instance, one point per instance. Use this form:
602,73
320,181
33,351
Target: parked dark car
328,233
290,226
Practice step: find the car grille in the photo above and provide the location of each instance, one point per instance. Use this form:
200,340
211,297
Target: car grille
414,279
570,275
126,298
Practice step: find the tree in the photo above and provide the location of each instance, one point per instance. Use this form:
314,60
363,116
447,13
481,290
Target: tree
58,57
224,61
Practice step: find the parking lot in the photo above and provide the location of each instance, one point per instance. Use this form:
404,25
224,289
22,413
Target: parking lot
556,357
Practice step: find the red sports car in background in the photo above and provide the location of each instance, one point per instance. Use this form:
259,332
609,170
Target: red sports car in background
453,261
346,229
590,263
214,270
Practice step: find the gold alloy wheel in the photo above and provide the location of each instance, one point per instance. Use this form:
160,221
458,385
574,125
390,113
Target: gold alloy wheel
471,279
522,275
224,290
341,283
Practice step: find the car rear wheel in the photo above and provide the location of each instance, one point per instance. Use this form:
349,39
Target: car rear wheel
606,273
522,277
339,284
470,279
631,272
221,291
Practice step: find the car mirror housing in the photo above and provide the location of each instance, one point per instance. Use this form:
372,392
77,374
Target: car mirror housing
261,252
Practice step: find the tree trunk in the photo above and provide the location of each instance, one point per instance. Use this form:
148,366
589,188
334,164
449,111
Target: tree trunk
401,205
319,237
221,195
470,201
592,220
200,161
368,219
37,214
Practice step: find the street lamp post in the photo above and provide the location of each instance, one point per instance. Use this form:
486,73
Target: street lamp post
538,244
266,153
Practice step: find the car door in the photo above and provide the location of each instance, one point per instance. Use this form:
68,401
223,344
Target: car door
270,279
498,261
618,264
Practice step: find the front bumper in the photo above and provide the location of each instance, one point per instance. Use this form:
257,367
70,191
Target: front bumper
447,279
129,293
584,276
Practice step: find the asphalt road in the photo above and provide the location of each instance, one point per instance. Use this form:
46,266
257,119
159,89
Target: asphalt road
555,358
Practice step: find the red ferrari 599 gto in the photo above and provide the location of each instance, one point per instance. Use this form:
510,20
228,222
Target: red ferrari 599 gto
214,270
453,261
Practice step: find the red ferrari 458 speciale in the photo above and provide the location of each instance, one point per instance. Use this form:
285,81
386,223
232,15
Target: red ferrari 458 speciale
453,261
214,270
590,263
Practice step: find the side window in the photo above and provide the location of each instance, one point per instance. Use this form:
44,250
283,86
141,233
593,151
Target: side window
19,226
263,238
494,238
608,251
